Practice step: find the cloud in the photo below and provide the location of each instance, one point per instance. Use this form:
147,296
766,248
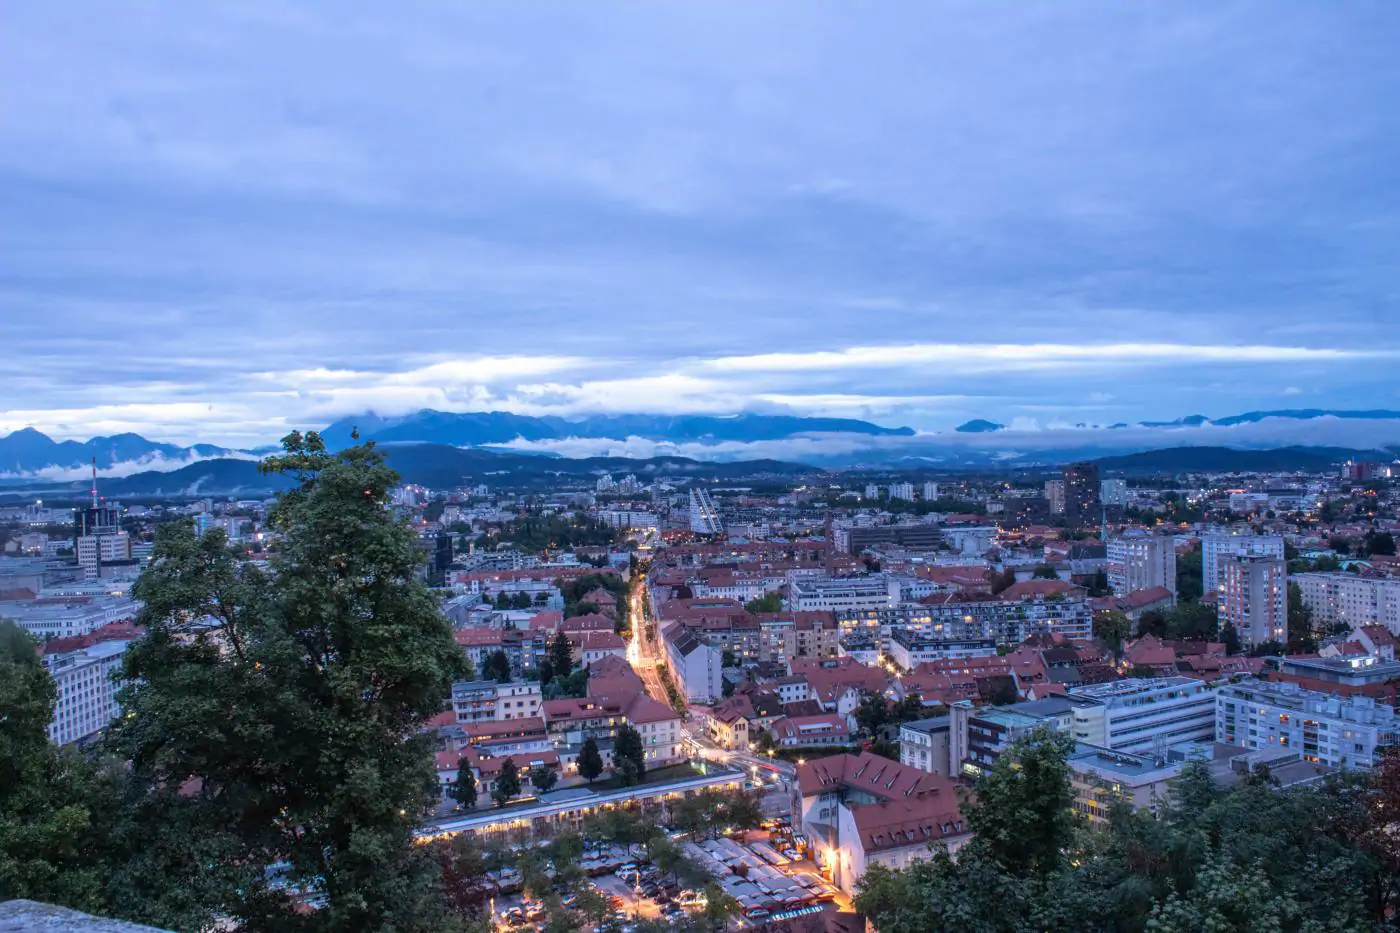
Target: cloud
222,221
1292,390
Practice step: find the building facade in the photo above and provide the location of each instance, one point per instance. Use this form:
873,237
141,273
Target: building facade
1218,546
1340,732
1141,562
87,695
1140,715
1253,597
1351,600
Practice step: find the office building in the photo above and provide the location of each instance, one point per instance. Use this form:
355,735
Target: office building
911,535
1141,562
1082,503
87,696
978,737
1217,546
1140,715
1253,597
1340,732
1113,492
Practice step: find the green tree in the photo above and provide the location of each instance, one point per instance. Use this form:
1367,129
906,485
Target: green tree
561,654
543,779
507,783
1380,543
45,792
1189,587
872,713
497,667
277,719
463,789
1045,572
590,760
520,600
1022,817
1113,628
1301,639
628,747
771,601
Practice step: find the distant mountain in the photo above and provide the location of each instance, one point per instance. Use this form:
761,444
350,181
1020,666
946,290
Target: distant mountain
1227,460
1307,414
433,465
476,429
27,452
979,426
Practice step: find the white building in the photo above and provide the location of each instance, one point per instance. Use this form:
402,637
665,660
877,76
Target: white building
872,491
1248,503
909,648
66,616
1351,600
1253,597
1113,492
487,701
1141,562
902,491
95,550
1142,714
930,492
704,517
1340,732
628,518
1217,546
844,594
695,666
970,540
87,695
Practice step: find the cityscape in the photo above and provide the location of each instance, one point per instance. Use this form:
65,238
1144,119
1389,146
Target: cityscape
699,467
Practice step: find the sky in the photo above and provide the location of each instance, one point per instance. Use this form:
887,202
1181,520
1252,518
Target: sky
221,220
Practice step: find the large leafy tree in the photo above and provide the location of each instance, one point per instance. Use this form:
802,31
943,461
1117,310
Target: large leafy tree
45,815
274,720
463,789
627,747
507,783
561,655
590,760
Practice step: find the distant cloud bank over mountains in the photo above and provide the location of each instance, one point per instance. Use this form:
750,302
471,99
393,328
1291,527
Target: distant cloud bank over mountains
28,455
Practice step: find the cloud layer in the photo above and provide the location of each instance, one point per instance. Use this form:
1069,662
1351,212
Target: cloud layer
220,221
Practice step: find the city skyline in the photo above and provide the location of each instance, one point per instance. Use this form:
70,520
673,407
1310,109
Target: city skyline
225,223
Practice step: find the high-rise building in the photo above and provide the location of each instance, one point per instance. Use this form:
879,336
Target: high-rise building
1253,597
1218,546
704,517
930,492
902,491
1113,492
1055,495
871,491
1082,503
1140,562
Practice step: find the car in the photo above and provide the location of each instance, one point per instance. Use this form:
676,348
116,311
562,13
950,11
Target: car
757,913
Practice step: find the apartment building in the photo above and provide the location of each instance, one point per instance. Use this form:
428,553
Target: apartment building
694,665
909,648
844,594
1141,562
1253,597
485,700
1340,732
1217,546
978,737
1351,600
67,616
1140,715
923,744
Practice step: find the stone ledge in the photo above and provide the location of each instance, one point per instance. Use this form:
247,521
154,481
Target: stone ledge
19,915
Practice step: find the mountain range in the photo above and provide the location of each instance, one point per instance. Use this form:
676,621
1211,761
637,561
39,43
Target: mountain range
27,456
